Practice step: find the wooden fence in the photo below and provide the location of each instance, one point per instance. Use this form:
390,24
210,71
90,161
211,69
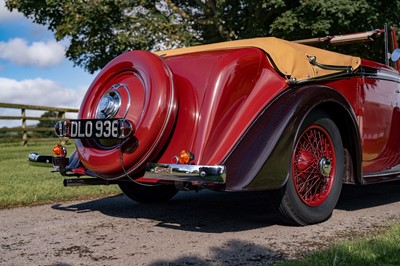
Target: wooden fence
25,129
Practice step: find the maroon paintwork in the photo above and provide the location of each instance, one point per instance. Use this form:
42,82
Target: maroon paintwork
150,105
225,93
209,102
374,97
242,125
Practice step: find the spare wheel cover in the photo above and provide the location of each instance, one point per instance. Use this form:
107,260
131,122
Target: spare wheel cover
146,93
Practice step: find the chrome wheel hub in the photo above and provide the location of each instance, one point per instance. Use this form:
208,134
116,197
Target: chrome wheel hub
109,105
325,166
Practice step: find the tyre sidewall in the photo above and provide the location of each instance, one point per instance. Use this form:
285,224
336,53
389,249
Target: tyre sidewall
303,213
146,193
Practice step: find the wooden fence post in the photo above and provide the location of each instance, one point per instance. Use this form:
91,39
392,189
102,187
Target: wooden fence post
24,132
61,115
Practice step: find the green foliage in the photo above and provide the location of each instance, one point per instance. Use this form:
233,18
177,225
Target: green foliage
313,18
10,135
99,30
47,124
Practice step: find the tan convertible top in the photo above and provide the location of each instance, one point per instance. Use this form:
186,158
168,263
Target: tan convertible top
290,58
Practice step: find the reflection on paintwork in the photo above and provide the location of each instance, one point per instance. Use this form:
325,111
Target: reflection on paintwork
184,172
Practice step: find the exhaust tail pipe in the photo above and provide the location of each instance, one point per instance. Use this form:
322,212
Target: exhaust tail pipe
76,182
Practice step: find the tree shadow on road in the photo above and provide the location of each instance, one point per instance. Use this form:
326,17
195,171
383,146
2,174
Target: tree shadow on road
234,252
217,212
231,252
204,211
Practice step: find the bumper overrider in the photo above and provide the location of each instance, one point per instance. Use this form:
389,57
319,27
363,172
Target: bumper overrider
196,175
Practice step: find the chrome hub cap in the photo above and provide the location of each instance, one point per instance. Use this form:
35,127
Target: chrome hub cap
109,105
325,167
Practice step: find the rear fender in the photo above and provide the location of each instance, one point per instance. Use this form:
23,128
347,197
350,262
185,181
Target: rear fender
261,159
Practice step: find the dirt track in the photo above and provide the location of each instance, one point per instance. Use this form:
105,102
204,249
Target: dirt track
205,228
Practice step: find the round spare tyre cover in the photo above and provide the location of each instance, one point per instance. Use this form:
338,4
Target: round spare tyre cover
141,88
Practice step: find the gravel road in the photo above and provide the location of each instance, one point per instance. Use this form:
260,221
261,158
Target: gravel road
204,228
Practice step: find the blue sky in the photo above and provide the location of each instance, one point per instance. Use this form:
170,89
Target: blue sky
33,67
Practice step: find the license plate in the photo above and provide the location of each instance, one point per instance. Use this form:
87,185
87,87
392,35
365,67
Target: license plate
94,128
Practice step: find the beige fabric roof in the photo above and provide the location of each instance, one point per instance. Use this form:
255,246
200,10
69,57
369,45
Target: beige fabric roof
290,58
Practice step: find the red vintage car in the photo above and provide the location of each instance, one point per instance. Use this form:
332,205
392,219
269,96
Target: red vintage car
257,114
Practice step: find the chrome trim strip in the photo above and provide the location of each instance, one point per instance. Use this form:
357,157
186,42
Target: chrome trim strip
125,86
383,74
394,171
196,174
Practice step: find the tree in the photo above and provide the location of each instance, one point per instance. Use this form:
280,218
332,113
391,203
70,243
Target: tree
99,30
47,124
314,18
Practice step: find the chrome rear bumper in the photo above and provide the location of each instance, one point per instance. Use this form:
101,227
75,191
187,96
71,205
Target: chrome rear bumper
40,160
58,163
195,174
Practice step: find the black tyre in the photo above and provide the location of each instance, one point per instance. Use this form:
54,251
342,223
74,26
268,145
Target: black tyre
316,173
147,193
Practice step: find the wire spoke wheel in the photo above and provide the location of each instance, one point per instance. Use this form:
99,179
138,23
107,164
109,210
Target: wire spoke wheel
316,173
313,165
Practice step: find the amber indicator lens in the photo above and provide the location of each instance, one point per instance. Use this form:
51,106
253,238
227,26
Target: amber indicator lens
59,150
184,157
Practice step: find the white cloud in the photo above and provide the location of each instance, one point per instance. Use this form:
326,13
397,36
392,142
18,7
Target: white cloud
39,91
36,92
37,54
5,14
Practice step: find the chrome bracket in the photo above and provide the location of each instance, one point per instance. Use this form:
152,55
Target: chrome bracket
313,61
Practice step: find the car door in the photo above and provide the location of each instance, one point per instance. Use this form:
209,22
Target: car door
381,119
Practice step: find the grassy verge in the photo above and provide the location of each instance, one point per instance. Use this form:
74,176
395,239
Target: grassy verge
380,250
21,184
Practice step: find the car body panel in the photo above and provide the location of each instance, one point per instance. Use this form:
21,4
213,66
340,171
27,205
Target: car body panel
380,118
273,147
235,91
239,106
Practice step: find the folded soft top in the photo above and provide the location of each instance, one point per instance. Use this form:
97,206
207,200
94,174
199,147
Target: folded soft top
291,59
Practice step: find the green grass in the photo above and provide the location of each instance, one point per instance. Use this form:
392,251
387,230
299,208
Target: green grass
22,184
379,250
